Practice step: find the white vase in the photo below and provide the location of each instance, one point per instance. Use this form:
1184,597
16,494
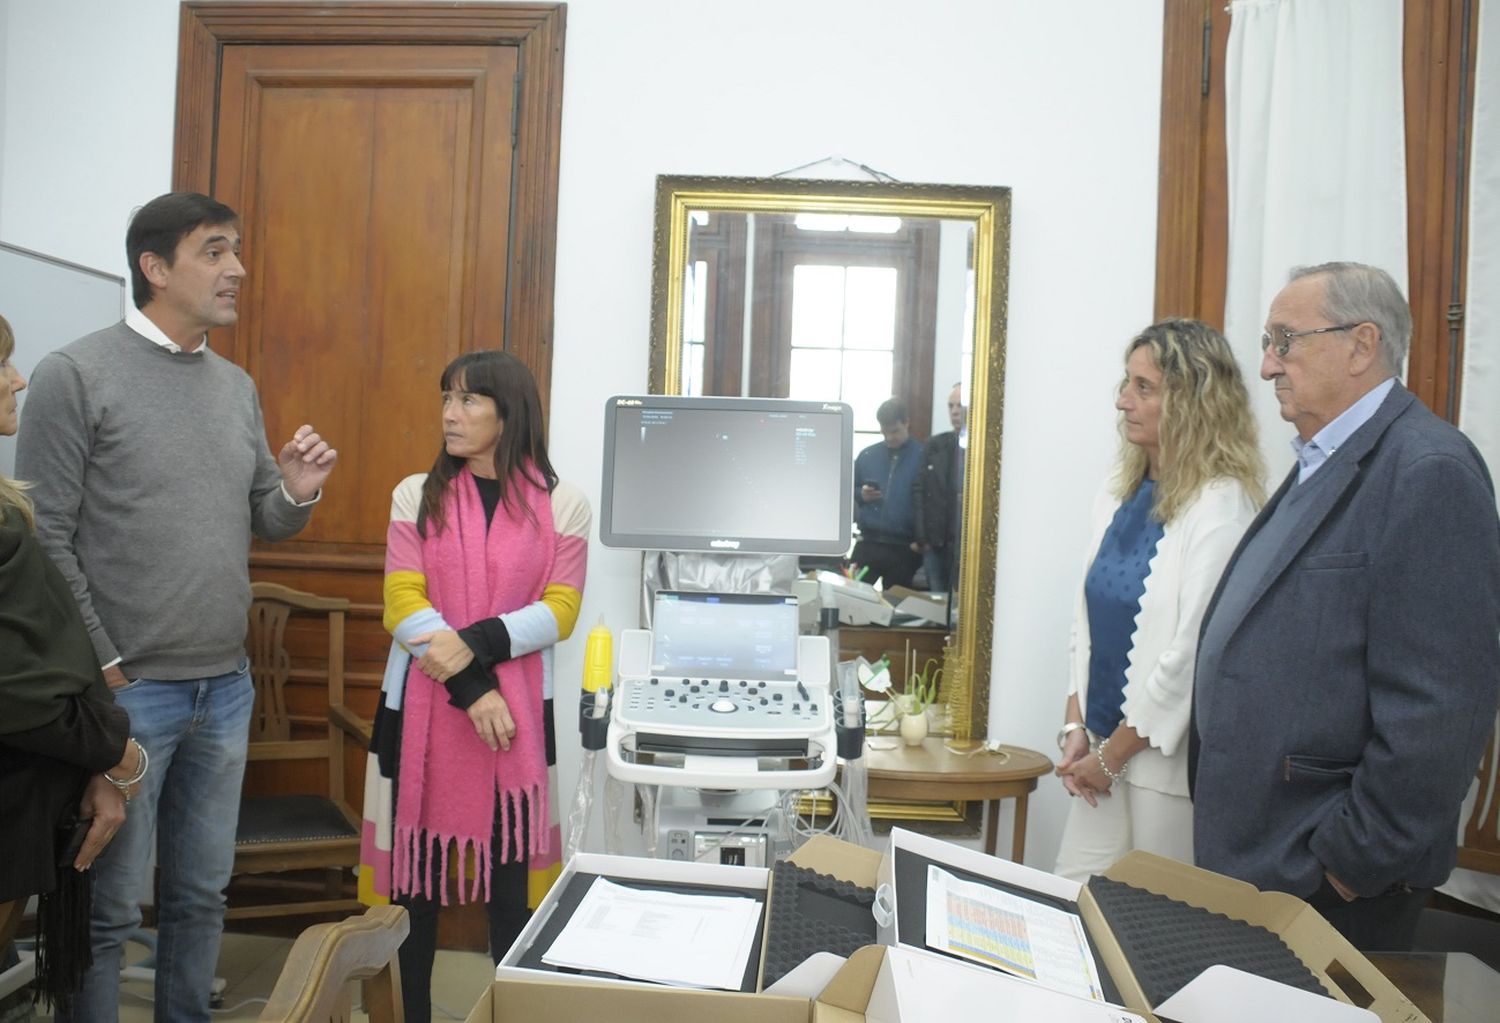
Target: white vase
913,728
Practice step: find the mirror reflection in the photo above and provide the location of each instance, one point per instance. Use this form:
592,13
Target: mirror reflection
876,311
889,297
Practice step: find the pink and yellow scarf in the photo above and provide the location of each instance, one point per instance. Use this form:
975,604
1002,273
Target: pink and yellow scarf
452,786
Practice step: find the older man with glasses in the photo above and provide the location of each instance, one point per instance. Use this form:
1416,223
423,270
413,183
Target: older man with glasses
1349,663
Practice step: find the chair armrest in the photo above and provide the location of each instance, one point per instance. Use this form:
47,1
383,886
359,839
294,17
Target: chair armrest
326,957
351,723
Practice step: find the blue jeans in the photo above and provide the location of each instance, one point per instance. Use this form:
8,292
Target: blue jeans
937,561
195,732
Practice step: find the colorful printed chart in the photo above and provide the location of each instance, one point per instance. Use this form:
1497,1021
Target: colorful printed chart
1018,935
990,934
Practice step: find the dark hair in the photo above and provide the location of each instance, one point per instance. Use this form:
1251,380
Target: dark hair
891,412
522,451
160,225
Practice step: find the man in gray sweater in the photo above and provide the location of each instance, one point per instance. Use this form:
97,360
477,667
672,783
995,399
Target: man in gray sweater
151,472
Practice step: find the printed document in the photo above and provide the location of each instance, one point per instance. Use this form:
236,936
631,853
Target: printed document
1022,937
665,937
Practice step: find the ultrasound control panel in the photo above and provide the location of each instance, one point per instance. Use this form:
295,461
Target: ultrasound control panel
725,695
696,704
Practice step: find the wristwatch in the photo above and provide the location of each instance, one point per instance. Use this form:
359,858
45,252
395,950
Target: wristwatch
1066,730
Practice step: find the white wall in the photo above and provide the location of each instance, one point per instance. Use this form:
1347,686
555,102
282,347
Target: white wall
1058,101
90,97
4,65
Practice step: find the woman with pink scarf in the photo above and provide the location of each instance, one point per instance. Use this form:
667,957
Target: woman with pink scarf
485,561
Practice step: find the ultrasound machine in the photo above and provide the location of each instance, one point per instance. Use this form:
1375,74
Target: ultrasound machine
722,696
723,692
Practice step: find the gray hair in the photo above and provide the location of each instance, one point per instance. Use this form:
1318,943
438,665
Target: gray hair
1360,293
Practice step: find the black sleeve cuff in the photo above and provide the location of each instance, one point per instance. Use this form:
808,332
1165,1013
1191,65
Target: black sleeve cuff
490,641
469,685
89,732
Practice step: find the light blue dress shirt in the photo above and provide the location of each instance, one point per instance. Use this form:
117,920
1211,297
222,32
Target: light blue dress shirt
1311,454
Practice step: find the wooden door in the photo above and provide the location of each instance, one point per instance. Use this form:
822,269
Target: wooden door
395,169
375,192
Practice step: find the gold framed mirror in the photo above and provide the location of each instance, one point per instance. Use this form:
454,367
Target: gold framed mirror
856,291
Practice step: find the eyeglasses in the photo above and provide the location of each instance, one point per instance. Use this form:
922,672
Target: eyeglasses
1284,345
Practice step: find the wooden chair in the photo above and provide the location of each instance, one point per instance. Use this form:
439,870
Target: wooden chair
314,983
18,976
308,830
1480,848
1453,926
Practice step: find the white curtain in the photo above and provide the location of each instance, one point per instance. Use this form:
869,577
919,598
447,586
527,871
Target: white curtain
1479,407
1317,167
1479,403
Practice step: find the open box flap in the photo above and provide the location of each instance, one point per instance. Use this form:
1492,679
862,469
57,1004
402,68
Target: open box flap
1315,941
1222,994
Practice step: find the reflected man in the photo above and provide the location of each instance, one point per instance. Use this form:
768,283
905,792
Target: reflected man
938,497
885,475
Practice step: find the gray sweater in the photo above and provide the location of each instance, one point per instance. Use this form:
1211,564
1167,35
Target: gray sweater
150,472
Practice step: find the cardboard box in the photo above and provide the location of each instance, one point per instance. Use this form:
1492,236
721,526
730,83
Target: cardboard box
868,981
520,994
930,607
515,999
631,868
1308,935
898,985
858,603
837,859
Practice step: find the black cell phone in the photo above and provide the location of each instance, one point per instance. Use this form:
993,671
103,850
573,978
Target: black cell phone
74,842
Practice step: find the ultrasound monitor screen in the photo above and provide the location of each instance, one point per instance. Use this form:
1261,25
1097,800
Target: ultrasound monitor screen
724,636
748,475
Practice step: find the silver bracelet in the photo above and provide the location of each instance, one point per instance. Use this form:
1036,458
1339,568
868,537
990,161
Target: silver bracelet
1114,778
1067,730
140,772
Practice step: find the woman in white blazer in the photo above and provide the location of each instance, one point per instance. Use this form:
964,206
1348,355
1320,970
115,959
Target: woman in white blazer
1187,484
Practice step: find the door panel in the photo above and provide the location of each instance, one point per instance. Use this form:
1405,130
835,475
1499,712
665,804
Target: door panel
375,195
395,165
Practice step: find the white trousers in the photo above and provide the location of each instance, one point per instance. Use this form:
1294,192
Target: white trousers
1129,818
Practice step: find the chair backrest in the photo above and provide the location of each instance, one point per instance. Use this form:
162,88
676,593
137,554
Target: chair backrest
271,727
314,983
1480,848
294,816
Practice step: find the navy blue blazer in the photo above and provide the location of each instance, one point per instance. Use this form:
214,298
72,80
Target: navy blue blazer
1352,701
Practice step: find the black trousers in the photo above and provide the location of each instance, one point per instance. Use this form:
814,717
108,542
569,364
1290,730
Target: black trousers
1381,923
896,563
508,917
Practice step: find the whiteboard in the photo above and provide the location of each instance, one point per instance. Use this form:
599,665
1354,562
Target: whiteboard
50,302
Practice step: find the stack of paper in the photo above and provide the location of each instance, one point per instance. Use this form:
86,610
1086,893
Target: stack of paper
664,937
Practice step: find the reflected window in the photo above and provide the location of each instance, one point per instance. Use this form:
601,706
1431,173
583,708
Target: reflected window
694,325
814,306
851,311
843,339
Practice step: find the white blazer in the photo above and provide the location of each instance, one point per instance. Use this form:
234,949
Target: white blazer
1189,558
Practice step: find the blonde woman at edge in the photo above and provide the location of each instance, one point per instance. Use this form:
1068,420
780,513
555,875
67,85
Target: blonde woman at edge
67,763
1188,483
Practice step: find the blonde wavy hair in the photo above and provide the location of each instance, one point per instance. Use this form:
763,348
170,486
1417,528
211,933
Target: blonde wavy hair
1207,429
12,493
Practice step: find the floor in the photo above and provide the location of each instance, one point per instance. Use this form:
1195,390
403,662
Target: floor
250,964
